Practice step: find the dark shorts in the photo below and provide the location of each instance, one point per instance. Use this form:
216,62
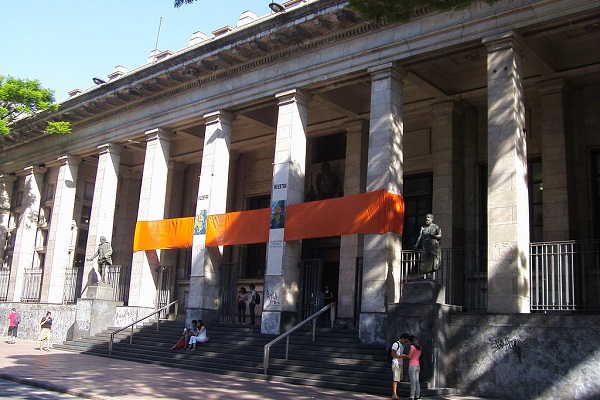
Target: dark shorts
12,331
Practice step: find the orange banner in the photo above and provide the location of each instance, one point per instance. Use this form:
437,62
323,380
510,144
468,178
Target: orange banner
176,233
242,227
372,212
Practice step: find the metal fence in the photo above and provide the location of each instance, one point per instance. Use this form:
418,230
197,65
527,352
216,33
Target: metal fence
565,276
71,289
462,273
4,280
119,277
32,286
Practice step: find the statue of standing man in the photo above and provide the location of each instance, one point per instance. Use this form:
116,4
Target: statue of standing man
430,236
103,253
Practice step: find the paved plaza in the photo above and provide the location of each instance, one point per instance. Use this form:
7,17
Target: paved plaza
101,378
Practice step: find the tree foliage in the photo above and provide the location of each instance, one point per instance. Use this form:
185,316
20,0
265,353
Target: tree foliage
179,3
388,11
20,98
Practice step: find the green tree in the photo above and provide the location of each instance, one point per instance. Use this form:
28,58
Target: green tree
20,98
179,3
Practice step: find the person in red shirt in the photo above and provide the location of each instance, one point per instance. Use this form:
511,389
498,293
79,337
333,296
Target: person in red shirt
14,319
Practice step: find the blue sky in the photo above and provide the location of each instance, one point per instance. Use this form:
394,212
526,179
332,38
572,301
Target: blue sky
66,43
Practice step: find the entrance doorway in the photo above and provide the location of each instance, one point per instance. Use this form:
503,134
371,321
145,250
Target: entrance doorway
320,267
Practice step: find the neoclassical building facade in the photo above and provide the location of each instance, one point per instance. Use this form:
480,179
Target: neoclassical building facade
486,117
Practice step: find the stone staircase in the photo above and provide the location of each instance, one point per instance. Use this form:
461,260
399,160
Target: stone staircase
335,360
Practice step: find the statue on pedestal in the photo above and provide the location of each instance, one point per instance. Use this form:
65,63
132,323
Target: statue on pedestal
104,254
430,235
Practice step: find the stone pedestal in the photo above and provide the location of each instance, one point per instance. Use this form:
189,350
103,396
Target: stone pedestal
423,292
423,314
99,291
94,315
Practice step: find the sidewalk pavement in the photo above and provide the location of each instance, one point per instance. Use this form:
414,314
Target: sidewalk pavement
103,378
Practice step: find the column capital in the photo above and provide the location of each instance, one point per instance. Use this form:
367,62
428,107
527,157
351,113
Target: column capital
448,107
219,116
8,178
159,133
112,148
35,170
68,159
554,86
357,125
504,41
130,174
294,95
387,70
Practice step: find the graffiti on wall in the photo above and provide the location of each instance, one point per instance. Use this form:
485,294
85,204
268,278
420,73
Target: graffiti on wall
272,299
509,344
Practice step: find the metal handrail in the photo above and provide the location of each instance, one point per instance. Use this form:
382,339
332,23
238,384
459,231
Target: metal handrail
287,333
112,335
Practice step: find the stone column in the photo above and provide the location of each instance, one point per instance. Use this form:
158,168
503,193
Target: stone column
508,199
130,182
146,264
103,208
59,237
385,169
24,249
289,168
173,201
448,198
556,162
212,199
7,183
351,246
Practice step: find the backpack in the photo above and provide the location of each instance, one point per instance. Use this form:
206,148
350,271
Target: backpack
388,352
256,298
17,319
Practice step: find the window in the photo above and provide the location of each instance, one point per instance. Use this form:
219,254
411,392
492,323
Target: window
417,203
536,202
86,212
329,148
88,193
254,259
596,193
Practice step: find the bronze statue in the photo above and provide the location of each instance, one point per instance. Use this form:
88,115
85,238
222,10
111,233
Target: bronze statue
104,254
430,235
328,185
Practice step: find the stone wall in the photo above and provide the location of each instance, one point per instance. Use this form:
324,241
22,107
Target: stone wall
63,320
524,356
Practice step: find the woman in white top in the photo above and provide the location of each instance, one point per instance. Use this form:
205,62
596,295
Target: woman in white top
200,337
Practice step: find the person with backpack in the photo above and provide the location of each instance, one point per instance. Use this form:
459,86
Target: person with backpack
254,301
396,354
14,319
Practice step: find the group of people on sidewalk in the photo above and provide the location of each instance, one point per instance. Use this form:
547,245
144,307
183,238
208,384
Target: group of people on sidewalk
45,335
414,367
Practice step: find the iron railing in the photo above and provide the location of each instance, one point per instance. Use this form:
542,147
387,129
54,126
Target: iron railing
133,324
565,276
119,277
286,334
70,288
32,286
4,282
